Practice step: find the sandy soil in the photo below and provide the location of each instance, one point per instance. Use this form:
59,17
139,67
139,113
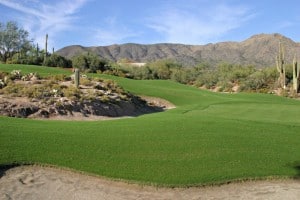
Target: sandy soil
156,101
34,182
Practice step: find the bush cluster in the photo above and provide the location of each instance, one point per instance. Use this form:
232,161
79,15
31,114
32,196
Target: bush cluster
55,60
89,62
34,56
225,77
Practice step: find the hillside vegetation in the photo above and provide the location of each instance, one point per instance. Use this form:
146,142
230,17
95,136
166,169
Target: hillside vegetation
209,138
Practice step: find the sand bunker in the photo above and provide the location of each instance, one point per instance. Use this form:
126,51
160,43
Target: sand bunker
33,182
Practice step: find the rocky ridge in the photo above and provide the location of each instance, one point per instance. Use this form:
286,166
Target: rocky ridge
259,50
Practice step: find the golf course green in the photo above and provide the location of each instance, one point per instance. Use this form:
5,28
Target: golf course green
208,138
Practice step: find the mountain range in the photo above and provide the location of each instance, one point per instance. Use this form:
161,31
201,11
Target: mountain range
259,50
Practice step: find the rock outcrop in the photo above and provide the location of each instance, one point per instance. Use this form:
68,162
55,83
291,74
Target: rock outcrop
63,107
49,98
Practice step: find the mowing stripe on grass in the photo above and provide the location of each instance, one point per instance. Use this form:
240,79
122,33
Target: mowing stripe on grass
208,138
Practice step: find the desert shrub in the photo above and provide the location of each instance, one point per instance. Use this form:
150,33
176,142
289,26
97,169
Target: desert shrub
262,80
89,62
72,92
16,74
99,87
3,75
225,86
43,91
2,84
49,83
30,58
97,79
80,62
109,84
162,69
255,82
199,69
142,73
225,76
86,81
208,79
162,72
13,89
229,73
180,75
119,90
289,73
118,72
59,77
35,91
4,79
98,93
90,96
104,98
283,93
30,76
55,60
124,97
293,93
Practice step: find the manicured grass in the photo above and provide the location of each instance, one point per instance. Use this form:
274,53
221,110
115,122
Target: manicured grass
41,70
208,138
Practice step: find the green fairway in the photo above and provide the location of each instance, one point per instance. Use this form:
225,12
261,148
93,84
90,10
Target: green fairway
209,138
43,71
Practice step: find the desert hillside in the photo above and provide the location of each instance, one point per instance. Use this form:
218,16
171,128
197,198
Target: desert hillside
259,50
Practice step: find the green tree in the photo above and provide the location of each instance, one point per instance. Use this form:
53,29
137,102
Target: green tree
141,73
32,56
95,63
55,60
180,75
80,62
89,62
162,69
12,39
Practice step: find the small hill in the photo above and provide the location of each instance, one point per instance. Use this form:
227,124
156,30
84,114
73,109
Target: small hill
259,50
56,97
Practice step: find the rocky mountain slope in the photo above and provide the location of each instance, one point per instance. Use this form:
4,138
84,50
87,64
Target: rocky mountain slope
259,50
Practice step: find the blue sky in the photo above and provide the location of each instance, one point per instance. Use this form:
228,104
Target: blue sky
106,22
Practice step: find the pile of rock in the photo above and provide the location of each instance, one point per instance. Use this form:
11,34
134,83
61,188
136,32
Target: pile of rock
50,99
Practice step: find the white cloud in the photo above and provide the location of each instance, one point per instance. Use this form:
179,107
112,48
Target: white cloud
40,18
198,25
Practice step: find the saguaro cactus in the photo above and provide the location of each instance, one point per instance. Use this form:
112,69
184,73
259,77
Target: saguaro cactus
296,73
37,50
77,78
46,48
280,65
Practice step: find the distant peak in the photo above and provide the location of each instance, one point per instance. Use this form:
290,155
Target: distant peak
264,36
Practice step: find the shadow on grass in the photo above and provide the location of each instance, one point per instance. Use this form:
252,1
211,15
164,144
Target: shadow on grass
6,167
297,167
